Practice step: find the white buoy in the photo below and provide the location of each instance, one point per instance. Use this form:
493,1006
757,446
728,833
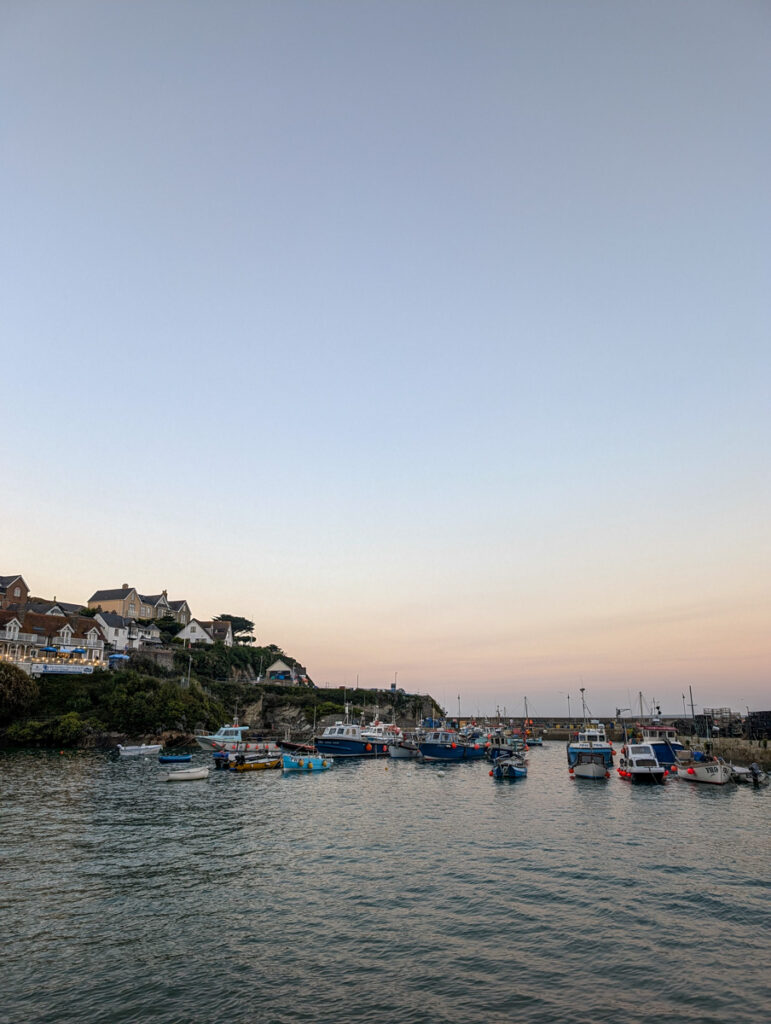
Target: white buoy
440,773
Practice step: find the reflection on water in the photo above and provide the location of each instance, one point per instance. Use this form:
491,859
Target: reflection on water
380,890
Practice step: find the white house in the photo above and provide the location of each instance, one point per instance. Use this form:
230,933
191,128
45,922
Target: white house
115,628
195,632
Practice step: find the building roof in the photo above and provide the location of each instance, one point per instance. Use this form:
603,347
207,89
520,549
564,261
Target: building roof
110,595
6,581
50,625
218,630
176,605
114,620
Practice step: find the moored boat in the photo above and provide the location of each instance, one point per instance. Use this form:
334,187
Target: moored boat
590,756
638,763
235,738
238,762
305,762
405,745
346,739
140,749
699,766
186,775
498,744
752,776
512,767
174,758
663,739
446,745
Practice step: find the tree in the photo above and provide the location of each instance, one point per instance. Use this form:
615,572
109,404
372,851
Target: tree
169,628
243,629
18,691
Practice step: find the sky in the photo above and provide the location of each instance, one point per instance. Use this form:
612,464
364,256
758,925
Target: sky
433,336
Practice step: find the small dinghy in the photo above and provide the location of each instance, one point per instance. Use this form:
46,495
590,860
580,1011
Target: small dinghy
186,775
752,776
305,762
174,758
138,751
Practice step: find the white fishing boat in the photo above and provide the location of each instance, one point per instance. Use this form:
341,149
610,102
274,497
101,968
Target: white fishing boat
186,775
406,745
230,737
694,765
638,763
699,766
140,750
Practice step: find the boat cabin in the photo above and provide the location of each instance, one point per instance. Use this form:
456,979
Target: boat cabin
641,755
231,733
594,732
342,729
659,733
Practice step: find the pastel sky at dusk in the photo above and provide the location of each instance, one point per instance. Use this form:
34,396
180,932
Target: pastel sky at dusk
431,335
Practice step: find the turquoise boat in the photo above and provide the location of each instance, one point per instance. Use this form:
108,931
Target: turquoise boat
306,763
174,758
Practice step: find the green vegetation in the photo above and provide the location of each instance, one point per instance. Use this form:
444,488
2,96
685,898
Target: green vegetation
18,691
243,629
146,699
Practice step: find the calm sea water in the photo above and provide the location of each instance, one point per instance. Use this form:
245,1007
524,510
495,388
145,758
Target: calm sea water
377,892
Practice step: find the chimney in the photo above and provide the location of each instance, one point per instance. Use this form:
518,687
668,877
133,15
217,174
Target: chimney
165,593
125,586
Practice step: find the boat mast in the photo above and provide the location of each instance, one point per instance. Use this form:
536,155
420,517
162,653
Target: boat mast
693,713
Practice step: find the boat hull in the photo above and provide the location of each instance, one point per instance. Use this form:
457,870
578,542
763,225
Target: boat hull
712,773
140,751
174,758
450,752
589,770
402,752
305,763
187,775
644,776
349,747
258,765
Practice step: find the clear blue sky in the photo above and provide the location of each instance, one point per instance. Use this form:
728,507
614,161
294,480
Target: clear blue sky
432,336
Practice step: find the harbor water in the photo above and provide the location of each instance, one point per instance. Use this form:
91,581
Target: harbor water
379,891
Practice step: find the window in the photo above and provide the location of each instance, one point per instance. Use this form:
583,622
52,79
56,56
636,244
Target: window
17,591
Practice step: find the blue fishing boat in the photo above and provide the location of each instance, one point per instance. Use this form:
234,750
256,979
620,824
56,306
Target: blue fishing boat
513,767
305,763
447,745
499,745
174,758
346,739
590,756
663,739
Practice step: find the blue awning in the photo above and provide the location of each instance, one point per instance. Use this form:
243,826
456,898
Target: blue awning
78,650
54,649
122,657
